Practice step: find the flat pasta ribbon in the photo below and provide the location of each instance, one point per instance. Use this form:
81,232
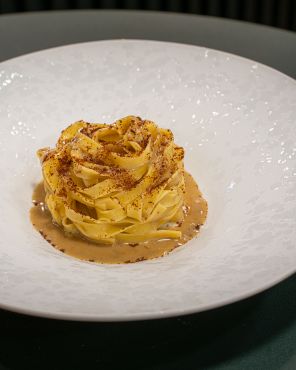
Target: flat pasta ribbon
120,182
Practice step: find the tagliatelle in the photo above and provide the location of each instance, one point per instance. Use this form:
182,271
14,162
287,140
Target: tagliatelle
120,182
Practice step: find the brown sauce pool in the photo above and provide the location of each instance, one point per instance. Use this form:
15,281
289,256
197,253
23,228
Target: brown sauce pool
41,219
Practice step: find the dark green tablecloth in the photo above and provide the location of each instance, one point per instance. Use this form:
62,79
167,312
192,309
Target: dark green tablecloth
257,333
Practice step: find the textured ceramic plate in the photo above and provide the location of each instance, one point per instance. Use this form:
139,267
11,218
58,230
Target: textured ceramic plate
236,119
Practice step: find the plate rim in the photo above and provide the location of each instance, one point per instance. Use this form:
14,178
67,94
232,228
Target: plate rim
143,316
148,41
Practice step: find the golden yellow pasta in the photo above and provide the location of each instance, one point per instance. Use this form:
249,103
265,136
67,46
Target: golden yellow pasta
120,182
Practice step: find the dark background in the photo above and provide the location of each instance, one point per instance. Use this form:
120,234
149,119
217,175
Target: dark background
277,13
254,334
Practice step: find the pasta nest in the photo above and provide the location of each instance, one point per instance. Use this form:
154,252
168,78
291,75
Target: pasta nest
121,182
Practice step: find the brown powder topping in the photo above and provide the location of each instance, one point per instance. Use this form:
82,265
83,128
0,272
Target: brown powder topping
116,158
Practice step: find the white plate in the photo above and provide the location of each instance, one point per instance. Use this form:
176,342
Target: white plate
236,119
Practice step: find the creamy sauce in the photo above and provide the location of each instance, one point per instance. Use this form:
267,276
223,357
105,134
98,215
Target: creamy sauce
120,252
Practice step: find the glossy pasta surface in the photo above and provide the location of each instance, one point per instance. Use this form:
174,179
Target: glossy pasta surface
121,182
